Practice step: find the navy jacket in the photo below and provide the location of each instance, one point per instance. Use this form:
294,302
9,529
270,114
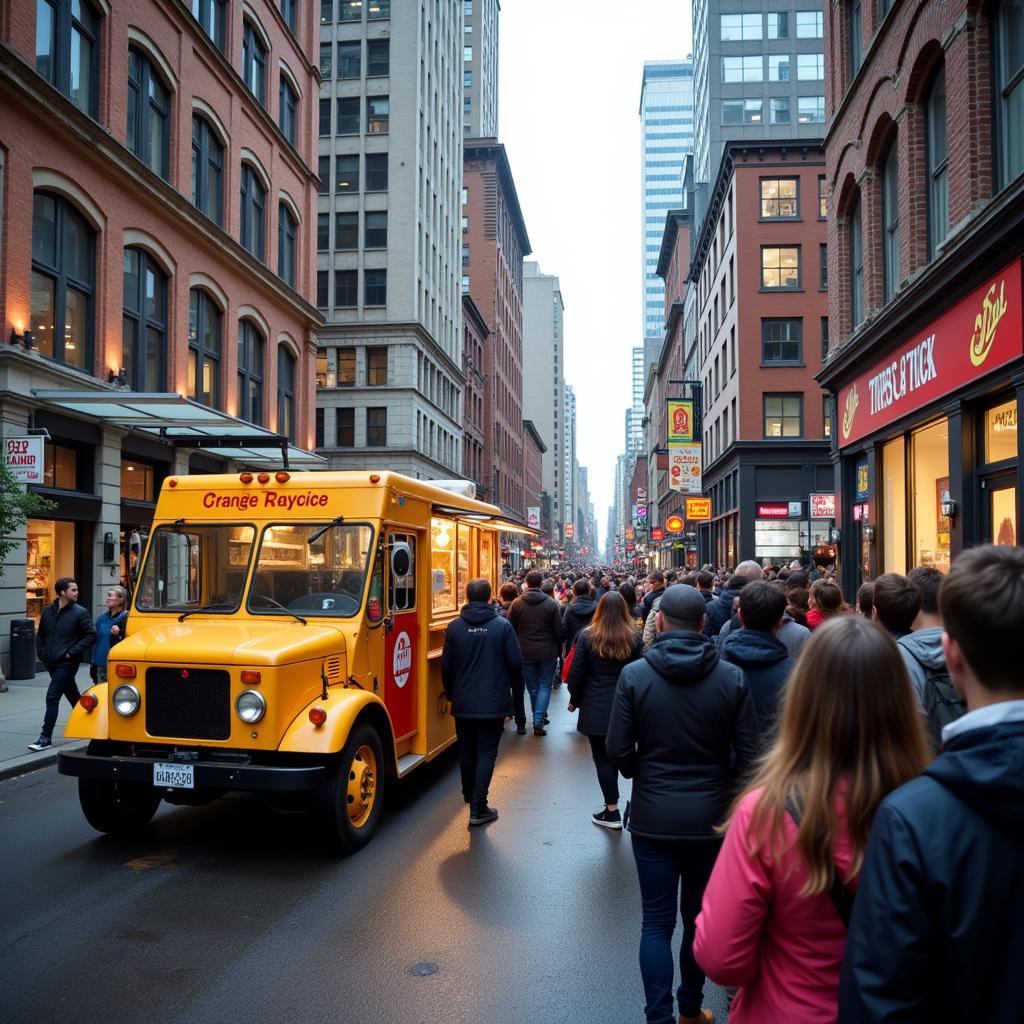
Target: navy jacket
592,680
719,612
64,634
937,932
576,616
479,662
766,665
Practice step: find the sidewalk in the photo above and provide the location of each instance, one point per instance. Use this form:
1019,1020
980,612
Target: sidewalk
21,715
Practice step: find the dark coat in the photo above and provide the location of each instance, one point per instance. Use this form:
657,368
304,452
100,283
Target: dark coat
576,616
683,728
537,620
592,680
719,612
479,663
648,601
766,665
937,932
64,634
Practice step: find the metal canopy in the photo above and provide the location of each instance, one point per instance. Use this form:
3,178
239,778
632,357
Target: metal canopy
185,424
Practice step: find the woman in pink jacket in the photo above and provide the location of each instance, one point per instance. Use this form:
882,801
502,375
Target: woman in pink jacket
772,919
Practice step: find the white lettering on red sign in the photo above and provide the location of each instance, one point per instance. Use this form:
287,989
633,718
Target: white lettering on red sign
401,659
903,376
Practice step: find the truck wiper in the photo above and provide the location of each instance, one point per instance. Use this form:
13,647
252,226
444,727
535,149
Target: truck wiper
317,534
277,604
206,608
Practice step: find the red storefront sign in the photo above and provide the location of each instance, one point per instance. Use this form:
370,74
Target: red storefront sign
771,510
977,336
657,533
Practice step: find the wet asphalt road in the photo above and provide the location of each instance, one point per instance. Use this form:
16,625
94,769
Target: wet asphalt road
231,912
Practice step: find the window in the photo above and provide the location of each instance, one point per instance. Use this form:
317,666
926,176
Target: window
351,10
149,105
822,198
465,284
254,198
810,66
211,15
326,12
742,111
346,428
323,232
1009,53
891,222
326,51
204,335
779,67
325,116
348,115
740,26
467,54
287,119
377,427
346,367
254,63
290,13
346,231
376,366
779,107
856,265
783,415
467,78
823,267
467,8
285,393
287,230
782,341
323,289
824,338
350,59
63,281
826,417
137,482
856,31
811,109
67,50
348,174
376,172
809,25
778,25
375,232
319,442
346,288
375,286
378,10
207,171
323,172
144,324
937,155
780,267
251,347
378,58
465,255
743,69
780,198
377,115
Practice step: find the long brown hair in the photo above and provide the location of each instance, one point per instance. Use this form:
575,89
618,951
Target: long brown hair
612,632
848,714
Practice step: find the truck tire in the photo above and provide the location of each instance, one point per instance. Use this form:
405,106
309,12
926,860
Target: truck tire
116,808
355,792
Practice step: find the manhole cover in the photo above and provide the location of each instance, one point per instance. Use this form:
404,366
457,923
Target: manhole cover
422,970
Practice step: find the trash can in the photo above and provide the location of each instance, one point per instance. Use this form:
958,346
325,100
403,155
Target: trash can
23,649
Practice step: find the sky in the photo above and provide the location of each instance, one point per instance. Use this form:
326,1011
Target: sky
569,99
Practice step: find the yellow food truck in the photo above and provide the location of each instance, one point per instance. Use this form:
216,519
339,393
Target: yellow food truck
285,638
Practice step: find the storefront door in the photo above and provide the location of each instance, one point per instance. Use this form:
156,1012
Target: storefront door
999,509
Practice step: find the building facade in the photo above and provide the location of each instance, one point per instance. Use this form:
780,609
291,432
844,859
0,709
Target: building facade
535,497
474,392
480,68
925,361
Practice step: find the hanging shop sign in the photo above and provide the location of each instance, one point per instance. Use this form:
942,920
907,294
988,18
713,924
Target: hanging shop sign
569,529
674,524
639,515
975,337
24,458
533,517
823,506
680,421
684,468
698,508
657,533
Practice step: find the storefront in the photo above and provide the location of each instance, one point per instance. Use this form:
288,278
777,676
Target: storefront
929,437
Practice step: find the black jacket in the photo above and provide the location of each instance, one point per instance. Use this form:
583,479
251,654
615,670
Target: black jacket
592,680
576,616
537,620
937,932
683,727
719,612
64,634
766,666
648,601
479,662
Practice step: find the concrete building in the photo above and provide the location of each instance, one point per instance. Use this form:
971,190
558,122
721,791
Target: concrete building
635,413
480,68
474,393
533,475
388,239
157,194
544,380
570,466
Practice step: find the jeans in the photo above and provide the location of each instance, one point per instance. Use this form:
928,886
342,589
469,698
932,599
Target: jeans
661,866
519,699
538,681
62,684
478,750
607,774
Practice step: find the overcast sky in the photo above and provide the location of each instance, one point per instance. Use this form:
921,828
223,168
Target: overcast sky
569,98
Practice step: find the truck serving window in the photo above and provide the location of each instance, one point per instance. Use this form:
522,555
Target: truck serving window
311,569
195,566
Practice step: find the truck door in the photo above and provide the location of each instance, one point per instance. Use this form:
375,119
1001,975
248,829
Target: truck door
402,639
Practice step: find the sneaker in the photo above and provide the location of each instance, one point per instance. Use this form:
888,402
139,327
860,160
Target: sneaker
704,1017
608,819
521,729
43,743
547,721
484,817
539,730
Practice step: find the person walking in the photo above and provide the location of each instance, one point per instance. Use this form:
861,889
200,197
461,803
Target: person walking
578,614
682,726
479,661
538,624
110,630
65,633
655,588
772,920
603,649
826,601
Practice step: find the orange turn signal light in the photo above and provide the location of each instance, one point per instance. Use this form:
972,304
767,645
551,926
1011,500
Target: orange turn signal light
250,676
263,478
89,701
317,716
125,671
282,477
172,483
374,478
246,478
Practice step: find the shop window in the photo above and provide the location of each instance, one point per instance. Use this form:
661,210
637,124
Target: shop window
402,589
780,198
442,565
67,50
930,465
144,323
60,467
892,504
1001,432
50,554
137,481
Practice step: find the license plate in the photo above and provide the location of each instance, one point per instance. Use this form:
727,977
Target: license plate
174,776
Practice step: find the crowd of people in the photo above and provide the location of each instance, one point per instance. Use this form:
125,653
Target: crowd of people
829,796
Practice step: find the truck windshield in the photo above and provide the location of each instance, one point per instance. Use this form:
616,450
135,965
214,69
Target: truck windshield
192,566
323,578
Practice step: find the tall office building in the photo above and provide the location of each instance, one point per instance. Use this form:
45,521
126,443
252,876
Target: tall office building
389,370
635,412
569,463
757,76
480,68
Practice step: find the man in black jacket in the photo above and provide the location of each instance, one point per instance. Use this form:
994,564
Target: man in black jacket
65,633
683,728
537,620
480,661
937,932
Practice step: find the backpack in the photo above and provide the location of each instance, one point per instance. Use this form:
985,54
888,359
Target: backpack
942,704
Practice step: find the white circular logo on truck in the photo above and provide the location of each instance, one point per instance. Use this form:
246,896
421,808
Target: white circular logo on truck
401,659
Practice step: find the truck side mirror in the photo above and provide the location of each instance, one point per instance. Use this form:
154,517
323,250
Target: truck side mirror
401,559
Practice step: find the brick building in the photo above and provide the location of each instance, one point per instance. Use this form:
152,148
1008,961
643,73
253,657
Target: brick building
474,342
533,475
925,153
760,274
156,198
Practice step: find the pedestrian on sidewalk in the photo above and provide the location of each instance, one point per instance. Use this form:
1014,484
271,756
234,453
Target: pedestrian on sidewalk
65,633
603,649
110,630
479,662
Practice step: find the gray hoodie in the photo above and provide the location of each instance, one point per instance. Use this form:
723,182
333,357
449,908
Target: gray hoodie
921,651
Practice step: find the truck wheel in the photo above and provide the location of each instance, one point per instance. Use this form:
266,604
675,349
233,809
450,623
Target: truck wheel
355,791
117,808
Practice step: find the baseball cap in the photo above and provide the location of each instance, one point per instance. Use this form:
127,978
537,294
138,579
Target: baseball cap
683,603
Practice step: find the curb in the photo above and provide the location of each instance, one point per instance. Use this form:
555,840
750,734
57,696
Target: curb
26,763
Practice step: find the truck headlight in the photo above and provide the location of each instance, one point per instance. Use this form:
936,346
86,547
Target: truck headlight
126,700
250,706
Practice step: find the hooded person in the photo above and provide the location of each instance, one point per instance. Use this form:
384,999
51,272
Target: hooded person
579,612
720,610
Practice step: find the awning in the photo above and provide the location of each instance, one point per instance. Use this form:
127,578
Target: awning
185,424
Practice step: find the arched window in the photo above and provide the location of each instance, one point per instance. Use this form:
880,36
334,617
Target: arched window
63,281
254,63
1009,63
937,162
211,16
891,222
149,108
285,392
144,336
286,232
207,170
856,265
251,347
288,111
67,50
204,347
254,200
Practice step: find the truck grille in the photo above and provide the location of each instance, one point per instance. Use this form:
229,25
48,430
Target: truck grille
188,702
